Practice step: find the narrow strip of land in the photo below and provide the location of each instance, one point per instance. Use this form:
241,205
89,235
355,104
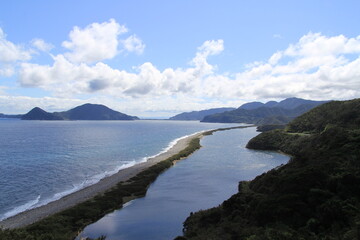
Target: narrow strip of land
36,214
183,148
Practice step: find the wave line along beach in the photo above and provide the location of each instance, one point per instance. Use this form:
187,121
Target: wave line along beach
33,215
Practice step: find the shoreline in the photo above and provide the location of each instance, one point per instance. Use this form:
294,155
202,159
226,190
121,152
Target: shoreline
31,216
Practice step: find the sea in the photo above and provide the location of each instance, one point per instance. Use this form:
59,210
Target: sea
42,161
203,180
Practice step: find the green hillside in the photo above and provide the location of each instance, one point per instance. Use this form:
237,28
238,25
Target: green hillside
315,196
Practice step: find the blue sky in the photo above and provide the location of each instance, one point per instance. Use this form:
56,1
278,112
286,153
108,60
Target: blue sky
159,58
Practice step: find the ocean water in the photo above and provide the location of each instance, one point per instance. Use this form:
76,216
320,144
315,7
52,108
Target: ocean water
41,161
203,180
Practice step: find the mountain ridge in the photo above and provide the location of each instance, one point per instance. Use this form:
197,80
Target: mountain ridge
263,114
199,115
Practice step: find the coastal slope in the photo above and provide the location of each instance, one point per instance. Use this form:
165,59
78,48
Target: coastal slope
315,196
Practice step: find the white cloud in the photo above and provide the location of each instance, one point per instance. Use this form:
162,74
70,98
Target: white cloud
65,78
96,42
316,67
134,44
10,54
41,45
208,48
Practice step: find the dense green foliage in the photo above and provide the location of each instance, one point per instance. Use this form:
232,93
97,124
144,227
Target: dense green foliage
67,224
344,113
266,128
315,196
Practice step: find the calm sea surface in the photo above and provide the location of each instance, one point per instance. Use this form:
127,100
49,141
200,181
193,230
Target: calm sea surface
204,180
41,161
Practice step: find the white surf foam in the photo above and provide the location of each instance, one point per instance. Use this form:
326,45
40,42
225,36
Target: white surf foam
29,205
88,182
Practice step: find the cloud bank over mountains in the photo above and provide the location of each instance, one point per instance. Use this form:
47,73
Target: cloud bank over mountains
316,67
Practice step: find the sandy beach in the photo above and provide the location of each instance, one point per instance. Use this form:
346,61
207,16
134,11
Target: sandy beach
36,214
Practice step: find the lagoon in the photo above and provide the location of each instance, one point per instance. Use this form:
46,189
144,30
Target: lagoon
203,180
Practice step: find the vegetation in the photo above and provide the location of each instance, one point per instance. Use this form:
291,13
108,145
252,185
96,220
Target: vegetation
266,128
315,196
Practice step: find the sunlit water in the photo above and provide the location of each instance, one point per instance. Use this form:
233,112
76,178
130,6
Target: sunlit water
41,161
204,180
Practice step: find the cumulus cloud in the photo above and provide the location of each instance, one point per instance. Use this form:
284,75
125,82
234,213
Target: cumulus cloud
41,45
207,49
10,54
65,78
315,67
96,42
133,44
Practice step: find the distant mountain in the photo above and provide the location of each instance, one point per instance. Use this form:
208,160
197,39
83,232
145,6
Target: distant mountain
93,112
269,113
199,115
84,112
288,103
252,105
39,114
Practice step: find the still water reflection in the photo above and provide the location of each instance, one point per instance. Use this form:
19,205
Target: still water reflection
204,180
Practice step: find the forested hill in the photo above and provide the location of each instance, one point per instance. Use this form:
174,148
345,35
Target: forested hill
315,196
266,113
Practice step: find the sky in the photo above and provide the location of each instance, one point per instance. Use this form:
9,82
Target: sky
157,58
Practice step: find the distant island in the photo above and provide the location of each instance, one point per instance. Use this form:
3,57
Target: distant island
84,112
270,113
315,196
199,115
